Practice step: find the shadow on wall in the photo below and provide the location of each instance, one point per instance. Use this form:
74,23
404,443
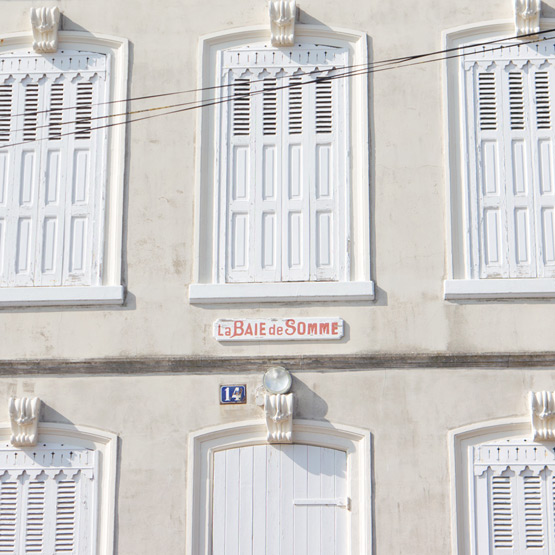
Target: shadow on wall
48,414
308,404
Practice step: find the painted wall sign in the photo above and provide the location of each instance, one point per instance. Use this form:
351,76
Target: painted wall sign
233,394
278,329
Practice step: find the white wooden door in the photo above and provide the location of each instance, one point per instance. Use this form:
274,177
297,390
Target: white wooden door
280,500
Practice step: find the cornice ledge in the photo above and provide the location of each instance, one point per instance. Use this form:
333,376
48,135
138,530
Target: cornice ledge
200,365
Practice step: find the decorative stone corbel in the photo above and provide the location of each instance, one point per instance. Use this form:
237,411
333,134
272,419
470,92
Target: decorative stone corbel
279,417
542,410
527,16
24,417
283,14
45,22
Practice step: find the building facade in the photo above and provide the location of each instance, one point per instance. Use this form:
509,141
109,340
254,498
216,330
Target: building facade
194,194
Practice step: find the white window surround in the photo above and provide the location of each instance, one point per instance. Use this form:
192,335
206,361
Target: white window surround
204,443
105,443
110,292
207,286
461,471
460,285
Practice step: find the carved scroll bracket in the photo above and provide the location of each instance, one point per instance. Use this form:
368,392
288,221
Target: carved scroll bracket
283,14
24,418
45,23
542,409
527,16
279,417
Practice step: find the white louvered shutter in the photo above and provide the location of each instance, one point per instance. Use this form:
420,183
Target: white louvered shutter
514,499
48,501
52,179
283,168
279,500
510,152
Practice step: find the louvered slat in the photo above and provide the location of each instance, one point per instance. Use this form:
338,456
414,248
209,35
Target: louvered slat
543,103
295,105
6,101
269,107
241,107
8,516
84,110
34,529
55,114
502,512
516,100
533,512
65,516
487,101
30,114
324,107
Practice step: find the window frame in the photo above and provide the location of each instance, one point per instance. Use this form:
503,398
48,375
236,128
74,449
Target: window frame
461,472
111,290
106,444
355,442
206,286
459,283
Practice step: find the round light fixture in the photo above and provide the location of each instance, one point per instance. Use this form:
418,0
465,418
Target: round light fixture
277,380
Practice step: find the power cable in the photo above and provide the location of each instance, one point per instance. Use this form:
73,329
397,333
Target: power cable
366,69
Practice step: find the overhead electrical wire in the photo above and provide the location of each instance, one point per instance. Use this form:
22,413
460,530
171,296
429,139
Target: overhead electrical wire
347,71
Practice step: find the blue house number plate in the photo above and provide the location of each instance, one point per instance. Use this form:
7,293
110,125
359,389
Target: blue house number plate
233,394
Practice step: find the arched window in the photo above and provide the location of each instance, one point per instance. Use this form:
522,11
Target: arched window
504,491
58,496
60,193
501,95
283,181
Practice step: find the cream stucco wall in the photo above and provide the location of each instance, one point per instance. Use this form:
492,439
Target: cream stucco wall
409,413
408,187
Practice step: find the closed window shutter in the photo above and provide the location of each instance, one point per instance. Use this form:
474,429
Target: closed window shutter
47,501
280,499
514,499
510,152
52,179
282,179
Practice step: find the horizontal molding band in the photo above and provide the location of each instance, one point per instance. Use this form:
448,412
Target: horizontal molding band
197,365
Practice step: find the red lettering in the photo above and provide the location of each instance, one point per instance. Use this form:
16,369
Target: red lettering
237,328
301,328
335,328
312,329
248,330
272,330
227,331
279,330
290,326
262,328
324,328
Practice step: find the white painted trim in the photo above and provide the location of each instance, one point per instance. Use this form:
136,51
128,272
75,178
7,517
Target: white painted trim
60,296
457,209
475,289
92,438
460,440
202,445
202,293
206,263
118,49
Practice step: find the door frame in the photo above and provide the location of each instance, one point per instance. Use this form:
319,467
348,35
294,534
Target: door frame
356,442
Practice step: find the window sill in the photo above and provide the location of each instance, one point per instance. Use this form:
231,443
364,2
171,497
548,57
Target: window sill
476,289
225,293
61,296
